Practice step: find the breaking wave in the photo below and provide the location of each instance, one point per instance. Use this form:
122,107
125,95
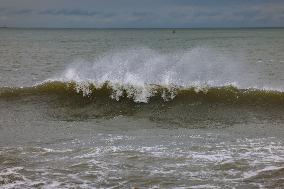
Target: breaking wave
148,93
143,75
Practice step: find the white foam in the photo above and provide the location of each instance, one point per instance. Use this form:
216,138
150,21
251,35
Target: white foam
203,186
146,66
250,174
135,70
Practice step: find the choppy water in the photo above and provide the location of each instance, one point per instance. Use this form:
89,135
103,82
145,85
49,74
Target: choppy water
142,108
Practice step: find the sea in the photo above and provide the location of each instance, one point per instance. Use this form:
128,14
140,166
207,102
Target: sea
142,108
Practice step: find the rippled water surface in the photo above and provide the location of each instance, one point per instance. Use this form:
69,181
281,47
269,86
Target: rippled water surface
141,108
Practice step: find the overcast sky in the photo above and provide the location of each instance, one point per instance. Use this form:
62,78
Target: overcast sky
142,13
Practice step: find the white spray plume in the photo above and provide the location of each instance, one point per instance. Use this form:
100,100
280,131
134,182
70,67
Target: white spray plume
137,68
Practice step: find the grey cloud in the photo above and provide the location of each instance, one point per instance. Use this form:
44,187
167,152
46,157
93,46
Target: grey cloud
142,15
146,13
76,12
229,16
3,9
70,12
22,11
8,11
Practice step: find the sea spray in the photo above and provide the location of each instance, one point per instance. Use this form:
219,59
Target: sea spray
140,66
136,73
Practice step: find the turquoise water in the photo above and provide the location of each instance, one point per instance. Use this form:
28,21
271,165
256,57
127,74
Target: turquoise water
200,108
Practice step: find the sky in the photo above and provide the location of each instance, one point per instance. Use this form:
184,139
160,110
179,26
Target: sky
141,13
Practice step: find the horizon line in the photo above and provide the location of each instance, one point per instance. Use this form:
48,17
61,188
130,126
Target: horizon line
102,28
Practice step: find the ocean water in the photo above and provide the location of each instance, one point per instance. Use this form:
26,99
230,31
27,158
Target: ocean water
144,108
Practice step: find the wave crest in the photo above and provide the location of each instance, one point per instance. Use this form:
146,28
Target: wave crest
148,93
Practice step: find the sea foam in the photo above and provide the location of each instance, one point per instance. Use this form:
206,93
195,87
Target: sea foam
139,70
135,70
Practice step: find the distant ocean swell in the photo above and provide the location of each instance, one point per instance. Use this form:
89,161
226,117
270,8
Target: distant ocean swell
148,93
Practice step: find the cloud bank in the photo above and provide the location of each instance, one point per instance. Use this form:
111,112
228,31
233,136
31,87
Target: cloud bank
142,13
